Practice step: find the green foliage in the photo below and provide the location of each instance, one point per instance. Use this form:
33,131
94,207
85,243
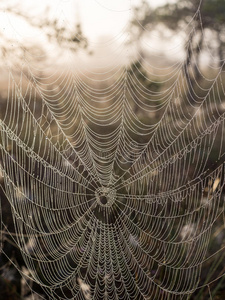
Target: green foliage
176,15
213,12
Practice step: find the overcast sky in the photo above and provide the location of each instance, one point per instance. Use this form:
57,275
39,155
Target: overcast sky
101,20
97,17
102,17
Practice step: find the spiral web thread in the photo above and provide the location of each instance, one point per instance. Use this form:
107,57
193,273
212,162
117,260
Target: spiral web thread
107,205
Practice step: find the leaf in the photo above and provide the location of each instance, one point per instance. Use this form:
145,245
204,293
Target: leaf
215,184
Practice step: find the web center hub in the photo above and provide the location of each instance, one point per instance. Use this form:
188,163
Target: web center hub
105,196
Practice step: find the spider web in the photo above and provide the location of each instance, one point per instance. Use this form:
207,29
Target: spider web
106,203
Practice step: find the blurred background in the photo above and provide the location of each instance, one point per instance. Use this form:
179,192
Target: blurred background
97,39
